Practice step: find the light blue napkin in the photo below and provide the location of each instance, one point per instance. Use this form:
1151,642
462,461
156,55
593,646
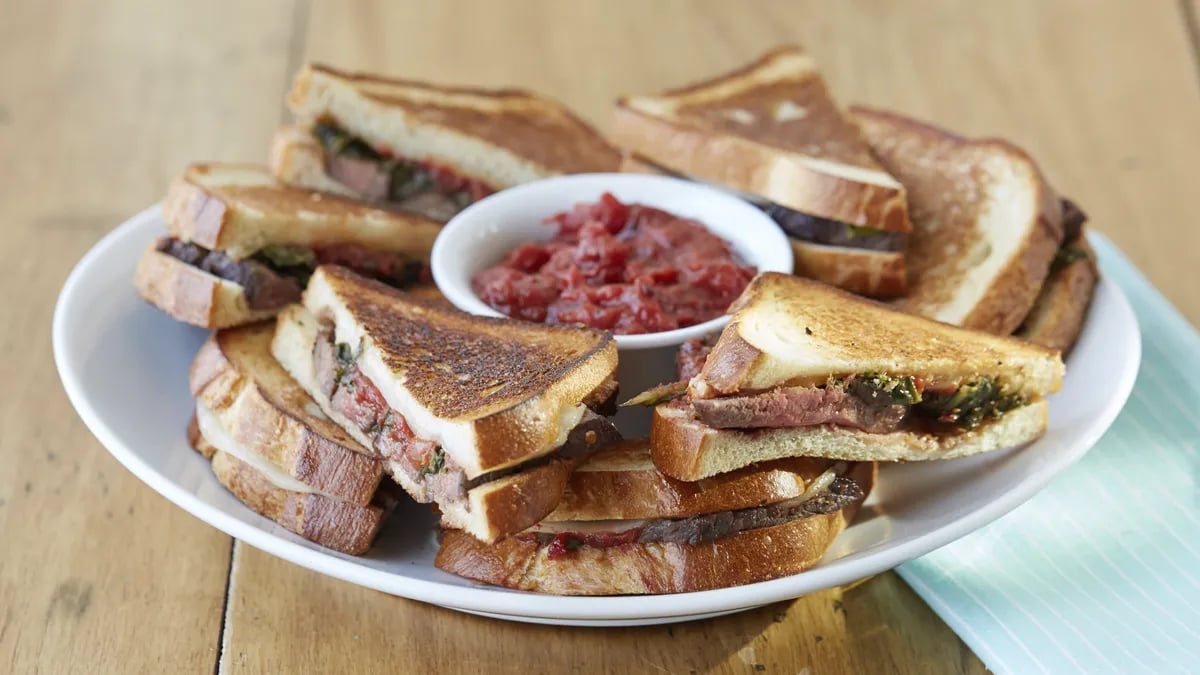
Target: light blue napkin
1100,572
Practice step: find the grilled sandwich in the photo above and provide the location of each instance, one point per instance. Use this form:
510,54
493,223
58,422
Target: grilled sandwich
772,132
274,449
426,148
483,417
805,370
240,246
624,527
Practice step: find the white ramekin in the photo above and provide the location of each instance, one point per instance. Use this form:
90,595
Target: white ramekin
484,232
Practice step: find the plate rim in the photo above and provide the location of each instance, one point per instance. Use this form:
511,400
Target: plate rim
518,605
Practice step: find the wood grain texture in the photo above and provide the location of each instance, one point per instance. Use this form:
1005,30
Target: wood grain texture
102,104
286,619
99,106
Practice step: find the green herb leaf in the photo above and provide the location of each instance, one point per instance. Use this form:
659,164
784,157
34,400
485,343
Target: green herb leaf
278,255
435,464
1065,256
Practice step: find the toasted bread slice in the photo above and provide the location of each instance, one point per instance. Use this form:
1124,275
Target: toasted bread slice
191,295
493,392
500,136
621,483
985,222
787,331
770,129
245,397
686,449
877,274
1058,314
653,567
341,526
492,509
296,158
240,208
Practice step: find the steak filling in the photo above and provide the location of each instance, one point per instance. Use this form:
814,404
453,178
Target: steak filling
275,275
425,469
840,492
404,184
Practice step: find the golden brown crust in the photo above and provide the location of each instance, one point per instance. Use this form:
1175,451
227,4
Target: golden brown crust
688,450
267,413
1058,314
622,483
342,526
877,274
652,568
509,505
949,180
536,128
769,128
788,331
507,379
239,208
191,295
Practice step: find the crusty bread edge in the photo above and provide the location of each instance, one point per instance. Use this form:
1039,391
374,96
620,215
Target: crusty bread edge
191,295
876,274
757,169
657,567
248,413
686,449
1058,314
341,526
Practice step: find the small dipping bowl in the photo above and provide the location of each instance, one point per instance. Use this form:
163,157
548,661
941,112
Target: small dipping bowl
483,233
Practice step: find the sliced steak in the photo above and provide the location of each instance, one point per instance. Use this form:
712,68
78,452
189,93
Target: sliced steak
366,177
264,287
798,407
833,233
713,526
435,476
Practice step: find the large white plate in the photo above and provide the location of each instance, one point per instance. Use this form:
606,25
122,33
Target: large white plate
124,366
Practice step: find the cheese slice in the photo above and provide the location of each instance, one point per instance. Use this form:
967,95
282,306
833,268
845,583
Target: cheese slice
586,526
219,437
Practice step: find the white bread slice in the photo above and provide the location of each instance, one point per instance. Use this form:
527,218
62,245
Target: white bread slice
687,449
260,409
985,222
492,392
621,482
876,274
492,510
500,136
789,331
770,129
342,526
191,295
239,208
643,568
1058,313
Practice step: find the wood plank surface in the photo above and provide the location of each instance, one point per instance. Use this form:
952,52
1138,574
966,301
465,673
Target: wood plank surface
102,104
99,106
286,619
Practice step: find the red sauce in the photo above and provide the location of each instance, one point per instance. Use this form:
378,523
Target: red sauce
626,268
567,542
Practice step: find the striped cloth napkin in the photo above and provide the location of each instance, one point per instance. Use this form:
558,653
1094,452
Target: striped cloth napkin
1100,572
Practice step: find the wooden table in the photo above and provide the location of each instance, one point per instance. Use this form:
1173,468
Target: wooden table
100,105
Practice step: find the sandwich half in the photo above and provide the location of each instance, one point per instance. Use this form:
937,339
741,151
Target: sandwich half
274,449
805,370
985,224
1060,309
240,246
771,132
423,147
625,528
484,417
